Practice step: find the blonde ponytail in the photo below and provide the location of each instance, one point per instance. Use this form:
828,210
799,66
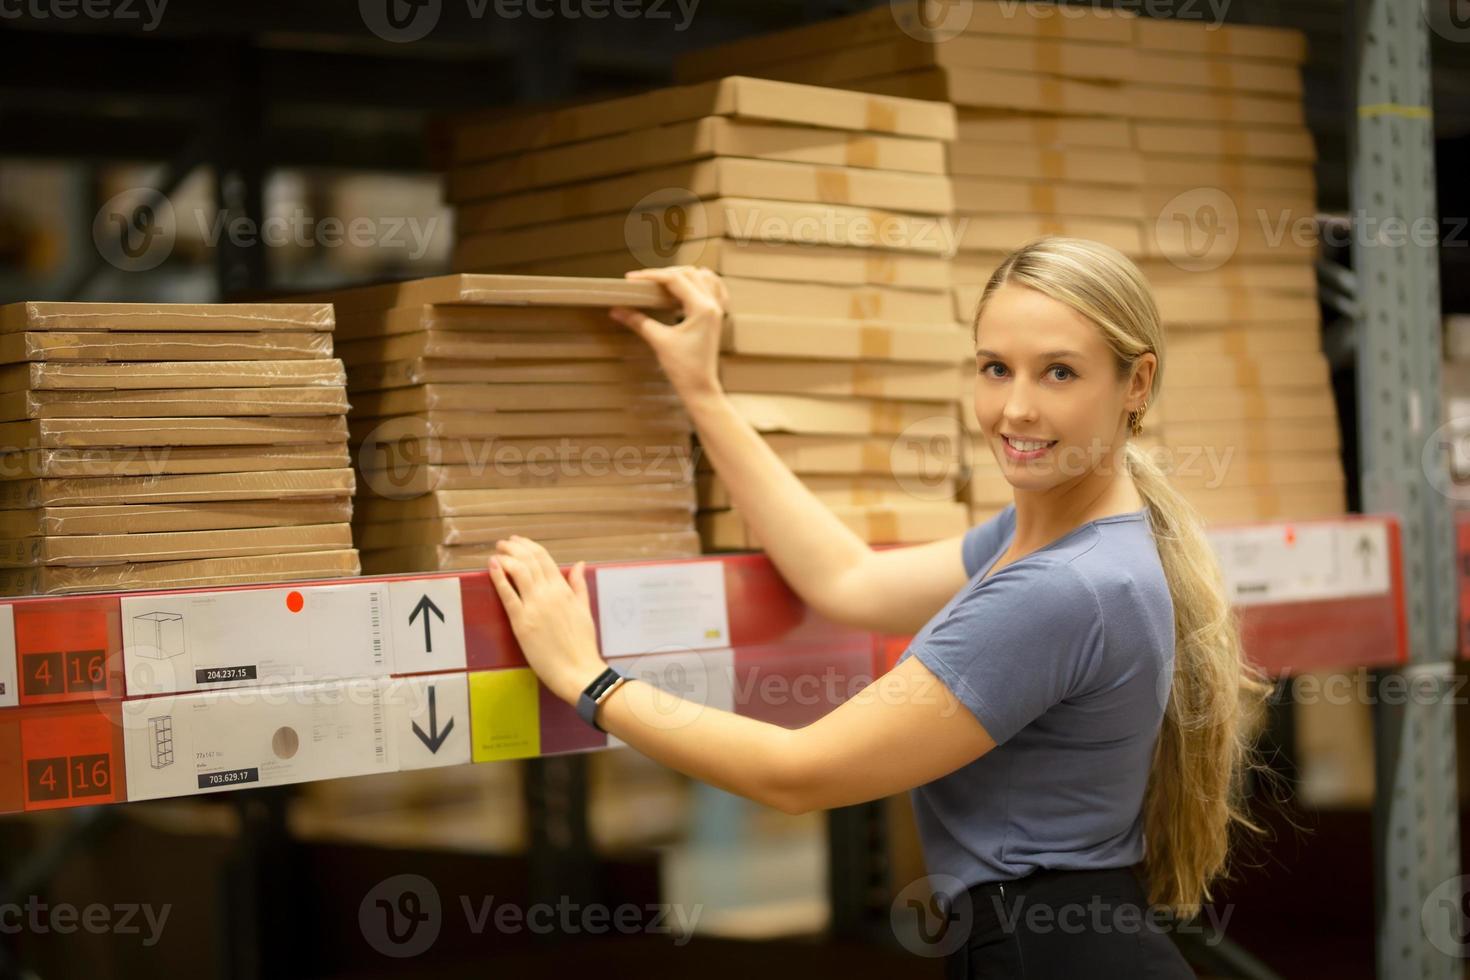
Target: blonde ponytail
1194,804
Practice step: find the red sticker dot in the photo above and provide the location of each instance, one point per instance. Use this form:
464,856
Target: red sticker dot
294,602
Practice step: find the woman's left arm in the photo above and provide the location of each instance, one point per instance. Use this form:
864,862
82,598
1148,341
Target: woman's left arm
903,730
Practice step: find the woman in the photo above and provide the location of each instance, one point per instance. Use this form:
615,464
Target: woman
1074,702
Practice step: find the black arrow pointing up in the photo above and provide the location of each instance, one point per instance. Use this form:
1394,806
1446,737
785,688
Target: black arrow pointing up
426,606
435,738
1365,550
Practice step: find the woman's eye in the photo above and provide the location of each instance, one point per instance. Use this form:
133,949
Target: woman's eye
1066,371
985,369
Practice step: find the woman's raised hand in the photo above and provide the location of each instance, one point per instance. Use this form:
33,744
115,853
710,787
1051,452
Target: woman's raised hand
688,351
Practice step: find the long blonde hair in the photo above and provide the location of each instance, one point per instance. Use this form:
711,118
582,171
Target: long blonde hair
1195,799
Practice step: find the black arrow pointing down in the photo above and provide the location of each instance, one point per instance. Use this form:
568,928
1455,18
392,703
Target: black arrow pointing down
436,738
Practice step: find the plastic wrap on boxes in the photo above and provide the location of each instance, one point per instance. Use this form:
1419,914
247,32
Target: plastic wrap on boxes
277,485
134,347
146,518
162,546
166,316
194,573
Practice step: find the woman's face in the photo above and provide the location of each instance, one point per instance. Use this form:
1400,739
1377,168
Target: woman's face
1047,393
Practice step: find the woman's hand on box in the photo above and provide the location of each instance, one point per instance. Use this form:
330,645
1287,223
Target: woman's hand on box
688,351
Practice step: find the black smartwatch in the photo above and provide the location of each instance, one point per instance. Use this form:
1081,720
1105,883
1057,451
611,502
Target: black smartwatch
597,692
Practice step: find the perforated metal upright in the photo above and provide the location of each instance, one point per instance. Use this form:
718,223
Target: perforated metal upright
1404,470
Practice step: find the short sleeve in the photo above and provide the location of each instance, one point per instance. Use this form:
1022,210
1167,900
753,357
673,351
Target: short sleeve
1017,643
984,539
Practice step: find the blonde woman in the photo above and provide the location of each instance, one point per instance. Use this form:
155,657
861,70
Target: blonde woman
1073,716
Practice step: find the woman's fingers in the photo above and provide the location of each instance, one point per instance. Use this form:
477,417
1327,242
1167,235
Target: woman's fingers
579,581
519,549
637,321
540,557
503,587
680,281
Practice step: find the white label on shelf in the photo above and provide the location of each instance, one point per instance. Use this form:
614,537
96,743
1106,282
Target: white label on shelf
209,640
1302,562
662,608
9,696
188,744
429,716
693,682
427,625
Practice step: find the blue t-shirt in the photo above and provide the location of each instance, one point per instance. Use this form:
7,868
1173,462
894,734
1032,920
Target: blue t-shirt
1066,657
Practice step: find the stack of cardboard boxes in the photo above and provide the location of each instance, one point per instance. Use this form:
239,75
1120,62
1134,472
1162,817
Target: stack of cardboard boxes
1180,143
485,406
149,446
826,213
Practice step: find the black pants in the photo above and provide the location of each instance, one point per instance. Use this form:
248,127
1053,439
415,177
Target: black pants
1065,924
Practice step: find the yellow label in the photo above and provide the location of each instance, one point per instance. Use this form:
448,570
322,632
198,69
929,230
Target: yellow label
505,716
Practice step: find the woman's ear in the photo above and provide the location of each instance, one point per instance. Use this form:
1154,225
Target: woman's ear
1142,380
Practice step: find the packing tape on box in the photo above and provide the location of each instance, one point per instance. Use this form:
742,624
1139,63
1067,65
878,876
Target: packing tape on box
878,268
1053,28
1255,403
832,186
865,381
1053,164
880,117
865,305
1237,305
1234,144
577,199
1043,198
1247,372
862,151
1052,92
1048,130
875,458
1053,226
1217,42
1271,500
875,342
1049,58
881,526
1221,74
884,417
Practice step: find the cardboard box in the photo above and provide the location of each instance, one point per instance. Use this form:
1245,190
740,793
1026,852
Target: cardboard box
1154,102
1259,144
1184,372
480,345
1075,132
712,136
1225,404
1286,277
111,549
113,433
499,470
852,489
1089,166
832,264
148,518
986,196
1222,40
1233,74
526,291
170,403
500,399
1241,504
795,336
152,461
737,96
459,531
1182,305
427,370
476,425
528,500
271,737
845,416
895,20
190,574
1003,90
1246,469
827,302
402,447
706,180
807,454
1275,339
134,347
636,547
175,488
478,318
197,374
1228,174
990,233
867,379
1319,435
159,317
874,523
654,226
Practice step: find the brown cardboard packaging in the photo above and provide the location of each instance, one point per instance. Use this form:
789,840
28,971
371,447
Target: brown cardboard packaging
424,370
1002,90
171,403
1223,173
1183,305
189,374
112,549
158,317
1232,74
405,447
990,233
1222,40
812,454
1212,141
1089,166
1076,132
736,96
1255,340
541,527
104,346
1153,102
845,416
193,573
867,379
745,219
632,547
1286,277
791,336
477,318
515,398
172,489
712,136
1250,436
489,346
1184,372
874,523
104,432
477,425
1269,503
985,195
527,291
528,500
1260,404
152,518
153,460
615,469
1245,469
854,489
834,264
841,302
706,180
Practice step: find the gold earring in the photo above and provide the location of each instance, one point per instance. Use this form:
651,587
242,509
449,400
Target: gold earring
1135,419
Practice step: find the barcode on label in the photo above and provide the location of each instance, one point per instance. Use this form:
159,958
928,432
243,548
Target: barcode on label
376,622
378,740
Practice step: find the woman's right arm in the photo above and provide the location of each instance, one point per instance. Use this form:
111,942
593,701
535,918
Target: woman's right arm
833,570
